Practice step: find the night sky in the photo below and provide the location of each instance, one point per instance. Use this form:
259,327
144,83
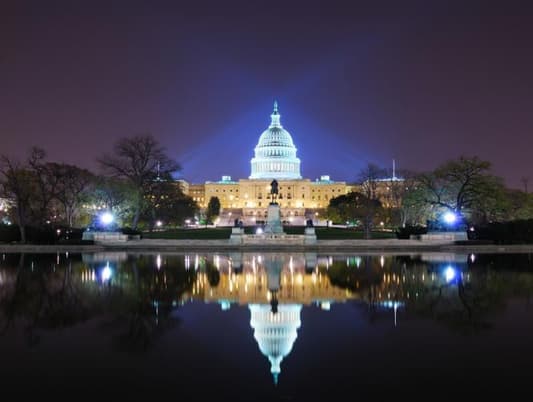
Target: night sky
356,82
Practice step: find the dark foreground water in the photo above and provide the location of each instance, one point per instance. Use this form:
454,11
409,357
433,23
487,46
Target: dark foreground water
279,327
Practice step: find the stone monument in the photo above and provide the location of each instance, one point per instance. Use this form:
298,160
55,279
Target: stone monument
237,232
309,233
273,223
104,229
272,233
450,227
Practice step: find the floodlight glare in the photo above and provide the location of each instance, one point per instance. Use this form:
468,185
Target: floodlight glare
106,218
449,273
449,218
106,273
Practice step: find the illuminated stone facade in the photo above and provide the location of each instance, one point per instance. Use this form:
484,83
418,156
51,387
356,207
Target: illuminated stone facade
250,198
275,158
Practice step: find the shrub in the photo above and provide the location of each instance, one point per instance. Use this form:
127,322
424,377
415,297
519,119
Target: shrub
9,233
41,234
408,230
130,231
512,232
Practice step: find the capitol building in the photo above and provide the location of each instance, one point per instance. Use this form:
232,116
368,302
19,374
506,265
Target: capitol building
275,157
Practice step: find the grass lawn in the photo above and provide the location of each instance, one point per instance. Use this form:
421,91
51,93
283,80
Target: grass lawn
349,234
202,233
322,233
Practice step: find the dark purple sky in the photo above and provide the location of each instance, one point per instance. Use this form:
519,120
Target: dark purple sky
357,82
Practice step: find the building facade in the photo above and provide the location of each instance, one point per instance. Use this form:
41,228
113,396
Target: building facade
275,157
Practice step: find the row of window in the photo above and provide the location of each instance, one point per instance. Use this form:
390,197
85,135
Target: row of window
280,197
276,167
289,195
332,190
255,213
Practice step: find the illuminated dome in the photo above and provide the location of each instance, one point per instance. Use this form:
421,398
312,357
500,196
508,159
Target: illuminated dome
275,153
275,333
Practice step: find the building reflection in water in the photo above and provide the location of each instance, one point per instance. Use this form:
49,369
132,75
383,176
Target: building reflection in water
274,286
275,326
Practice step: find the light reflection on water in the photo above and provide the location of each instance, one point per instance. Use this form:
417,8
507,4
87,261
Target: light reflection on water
146,297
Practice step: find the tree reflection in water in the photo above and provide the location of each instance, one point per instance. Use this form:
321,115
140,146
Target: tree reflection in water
461,293
135,295
156,291
42,295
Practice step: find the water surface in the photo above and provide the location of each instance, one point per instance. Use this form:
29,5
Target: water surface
265,326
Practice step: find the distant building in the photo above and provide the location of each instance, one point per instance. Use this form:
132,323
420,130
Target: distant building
184,186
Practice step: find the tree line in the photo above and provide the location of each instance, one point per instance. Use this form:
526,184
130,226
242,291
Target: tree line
464,186
135,183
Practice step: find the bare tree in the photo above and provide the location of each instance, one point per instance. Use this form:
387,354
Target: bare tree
140,160
525,183
399,198
459,184
370,176
73,183
46,184
113,194
17,187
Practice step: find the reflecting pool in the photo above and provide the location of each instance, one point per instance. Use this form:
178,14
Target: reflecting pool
265,326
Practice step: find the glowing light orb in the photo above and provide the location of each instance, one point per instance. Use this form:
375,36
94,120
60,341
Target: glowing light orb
449,274
259,231
449,218
106,218
106,273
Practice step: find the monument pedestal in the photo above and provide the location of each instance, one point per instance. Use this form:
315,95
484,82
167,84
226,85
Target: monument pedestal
237,234
311,262
272,234
273,224
309,235
103,237
446,236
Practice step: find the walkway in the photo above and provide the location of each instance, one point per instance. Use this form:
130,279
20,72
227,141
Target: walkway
378,245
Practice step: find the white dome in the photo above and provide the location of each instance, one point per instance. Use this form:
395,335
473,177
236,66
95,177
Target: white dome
275,153
275,333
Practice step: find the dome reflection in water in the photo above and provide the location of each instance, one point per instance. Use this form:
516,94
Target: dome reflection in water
269,318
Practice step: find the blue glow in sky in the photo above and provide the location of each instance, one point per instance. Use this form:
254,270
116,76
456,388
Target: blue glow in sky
419,82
